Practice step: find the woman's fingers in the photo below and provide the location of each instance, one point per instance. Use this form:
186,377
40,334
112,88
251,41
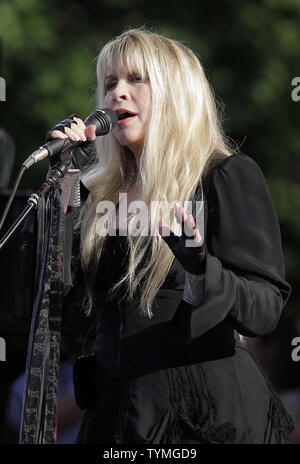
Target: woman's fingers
57,134
197,236
79,122
179,212
191,221
163,228
76,132
85,133
90,132
182,216
188,222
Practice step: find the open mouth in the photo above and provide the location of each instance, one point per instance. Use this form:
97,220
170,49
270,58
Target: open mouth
125,115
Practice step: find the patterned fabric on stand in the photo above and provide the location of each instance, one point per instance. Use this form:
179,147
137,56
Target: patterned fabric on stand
38,424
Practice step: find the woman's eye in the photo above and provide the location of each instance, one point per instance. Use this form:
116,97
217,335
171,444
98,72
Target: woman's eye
110,85
136,78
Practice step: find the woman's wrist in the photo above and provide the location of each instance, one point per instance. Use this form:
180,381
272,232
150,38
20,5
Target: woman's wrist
193,288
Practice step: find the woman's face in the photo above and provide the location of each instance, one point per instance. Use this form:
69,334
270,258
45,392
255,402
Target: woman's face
130,97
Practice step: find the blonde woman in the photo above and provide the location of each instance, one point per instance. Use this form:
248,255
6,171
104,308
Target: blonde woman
172,287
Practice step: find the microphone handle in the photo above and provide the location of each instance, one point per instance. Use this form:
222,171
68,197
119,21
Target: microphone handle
60,146
49,149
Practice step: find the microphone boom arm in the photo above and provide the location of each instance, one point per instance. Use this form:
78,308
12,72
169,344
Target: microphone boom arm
56,173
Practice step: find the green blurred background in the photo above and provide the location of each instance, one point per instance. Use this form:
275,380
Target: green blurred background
250,50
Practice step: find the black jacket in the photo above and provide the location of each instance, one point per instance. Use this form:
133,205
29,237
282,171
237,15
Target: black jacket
245,288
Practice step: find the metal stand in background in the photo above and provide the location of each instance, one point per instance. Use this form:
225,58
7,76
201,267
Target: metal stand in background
56,174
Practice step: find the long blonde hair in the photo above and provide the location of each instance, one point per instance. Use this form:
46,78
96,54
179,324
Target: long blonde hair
183,133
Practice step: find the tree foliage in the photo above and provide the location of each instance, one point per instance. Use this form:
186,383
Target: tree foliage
249,49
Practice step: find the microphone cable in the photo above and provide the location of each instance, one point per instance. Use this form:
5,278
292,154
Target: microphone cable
12,195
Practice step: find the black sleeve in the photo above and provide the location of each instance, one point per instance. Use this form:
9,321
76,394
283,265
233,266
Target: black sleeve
244,275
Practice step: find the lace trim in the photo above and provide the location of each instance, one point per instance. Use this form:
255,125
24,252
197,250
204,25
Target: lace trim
195,421
280,423
191,423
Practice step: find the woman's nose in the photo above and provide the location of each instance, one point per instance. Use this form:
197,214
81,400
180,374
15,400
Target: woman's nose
121,91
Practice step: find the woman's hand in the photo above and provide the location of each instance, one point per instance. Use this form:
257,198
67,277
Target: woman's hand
75,129
186,248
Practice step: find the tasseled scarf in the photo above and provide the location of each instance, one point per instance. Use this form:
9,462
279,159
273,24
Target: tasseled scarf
39,423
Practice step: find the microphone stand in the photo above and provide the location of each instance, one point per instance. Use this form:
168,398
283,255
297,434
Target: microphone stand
57,172
39,409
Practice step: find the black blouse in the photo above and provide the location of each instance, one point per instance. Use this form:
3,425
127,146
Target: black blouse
244,285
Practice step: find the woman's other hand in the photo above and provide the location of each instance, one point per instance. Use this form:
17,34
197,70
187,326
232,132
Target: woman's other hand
186,248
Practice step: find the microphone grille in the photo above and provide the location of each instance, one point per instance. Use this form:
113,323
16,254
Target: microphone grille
105,120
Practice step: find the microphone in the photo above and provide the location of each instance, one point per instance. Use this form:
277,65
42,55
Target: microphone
104,119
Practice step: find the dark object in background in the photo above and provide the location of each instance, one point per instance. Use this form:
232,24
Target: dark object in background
7,156
15,302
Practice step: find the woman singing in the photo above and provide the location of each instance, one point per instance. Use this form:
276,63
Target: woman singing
172,293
